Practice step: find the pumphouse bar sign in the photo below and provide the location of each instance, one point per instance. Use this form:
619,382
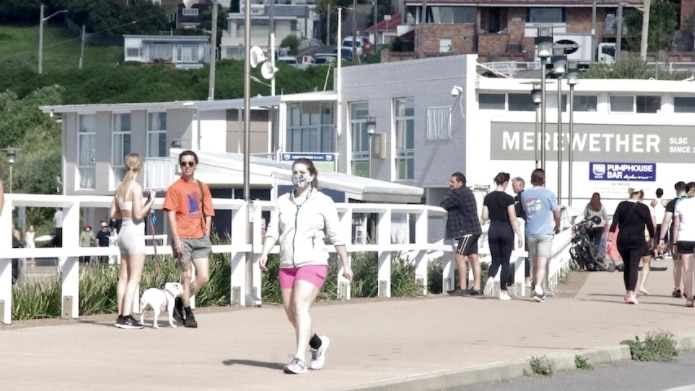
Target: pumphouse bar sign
631,143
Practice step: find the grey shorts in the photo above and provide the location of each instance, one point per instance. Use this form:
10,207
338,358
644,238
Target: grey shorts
540,246
195,248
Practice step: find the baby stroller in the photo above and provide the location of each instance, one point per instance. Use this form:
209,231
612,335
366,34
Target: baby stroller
583,253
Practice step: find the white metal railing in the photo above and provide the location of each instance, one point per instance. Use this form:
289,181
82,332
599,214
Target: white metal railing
245,282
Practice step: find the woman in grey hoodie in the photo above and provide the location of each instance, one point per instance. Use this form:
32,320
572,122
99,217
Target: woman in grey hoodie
303,222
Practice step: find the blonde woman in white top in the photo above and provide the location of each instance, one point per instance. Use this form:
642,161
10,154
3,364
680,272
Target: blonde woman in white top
128,206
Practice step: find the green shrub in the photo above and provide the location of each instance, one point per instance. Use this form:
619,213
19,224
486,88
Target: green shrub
581,362
541,366
291,42
657,346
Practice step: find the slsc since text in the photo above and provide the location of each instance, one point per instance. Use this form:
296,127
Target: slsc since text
679,145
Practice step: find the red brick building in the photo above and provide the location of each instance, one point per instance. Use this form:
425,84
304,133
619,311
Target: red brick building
505,30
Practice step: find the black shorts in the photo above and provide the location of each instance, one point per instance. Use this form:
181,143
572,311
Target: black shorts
685,247
467,245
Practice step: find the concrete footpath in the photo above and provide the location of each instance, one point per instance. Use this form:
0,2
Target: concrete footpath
416,344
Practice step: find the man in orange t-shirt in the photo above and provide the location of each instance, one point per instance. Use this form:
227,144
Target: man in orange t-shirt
188,204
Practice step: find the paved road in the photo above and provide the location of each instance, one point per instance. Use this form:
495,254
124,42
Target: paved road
619,376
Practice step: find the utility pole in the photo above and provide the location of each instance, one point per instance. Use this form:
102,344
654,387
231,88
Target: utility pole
41,21
619,33
594,43
82,49
645,31
354,25
213,52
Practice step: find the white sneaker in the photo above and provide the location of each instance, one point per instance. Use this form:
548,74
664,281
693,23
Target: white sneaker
504,296
489,287
296,366
318,356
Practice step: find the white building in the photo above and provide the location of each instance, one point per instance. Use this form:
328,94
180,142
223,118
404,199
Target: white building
433,117
300,20
184,51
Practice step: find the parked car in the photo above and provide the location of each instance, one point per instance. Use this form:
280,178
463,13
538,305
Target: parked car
346,53
362,45
324,58
288,60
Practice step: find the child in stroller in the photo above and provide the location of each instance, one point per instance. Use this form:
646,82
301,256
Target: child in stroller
584,253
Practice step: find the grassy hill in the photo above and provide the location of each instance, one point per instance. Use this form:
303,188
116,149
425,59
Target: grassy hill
19,47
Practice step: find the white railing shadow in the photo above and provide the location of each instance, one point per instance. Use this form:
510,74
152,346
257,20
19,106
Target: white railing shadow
246,222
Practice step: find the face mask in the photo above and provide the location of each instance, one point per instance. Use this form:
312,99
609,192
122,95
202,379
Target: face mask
300,181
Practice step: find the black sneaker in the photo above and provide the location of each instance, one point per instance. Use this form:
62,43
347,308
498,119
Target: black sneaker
119,321
474,292
178,310
130,323
190,321
457,292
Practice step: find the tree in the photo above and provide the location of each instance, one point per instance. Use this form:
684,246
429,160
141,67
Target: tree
663,22
291,42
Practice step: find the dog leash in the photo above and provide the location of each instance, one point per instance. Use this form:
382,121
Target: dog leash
158,270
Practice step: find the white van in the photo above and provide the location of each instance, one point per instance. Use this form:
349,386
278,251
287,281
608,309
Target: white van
347,44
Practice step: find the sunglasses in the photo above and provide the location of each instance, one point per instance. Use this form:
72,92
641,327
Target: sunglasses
187,164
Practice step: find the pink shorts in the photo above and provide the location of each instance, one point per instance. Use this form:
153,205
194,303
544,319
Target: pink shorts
315,274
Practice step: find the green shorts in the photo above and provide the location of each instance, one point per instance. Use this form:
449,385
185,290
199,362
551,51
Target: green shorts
195,248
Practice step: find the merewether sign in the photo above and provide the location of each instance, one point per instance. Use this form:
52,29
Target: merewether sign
632,143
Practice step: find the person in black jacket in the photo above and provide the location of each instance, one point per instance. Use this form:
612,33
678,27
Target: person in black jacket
632,218
463,227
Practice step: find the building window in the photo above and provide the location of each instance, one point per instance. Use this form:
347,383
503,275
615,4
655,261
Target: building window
132,52
86,151
359,111
521,102
450,15
445,45
683,104
404,121
648,104
622,104
161,52
585,103
189,11
157,135
120,145
187,53
491,101
311,127
545,15
439,123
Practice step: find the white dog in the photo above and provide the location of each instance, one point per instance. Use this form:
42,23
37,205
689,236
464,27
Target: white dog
160,300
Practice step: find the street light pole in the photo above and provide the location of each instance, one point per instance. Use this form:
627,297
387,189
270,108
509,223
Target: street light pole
41,21
572,80
371,131
545,45
11,155
559,67
536,95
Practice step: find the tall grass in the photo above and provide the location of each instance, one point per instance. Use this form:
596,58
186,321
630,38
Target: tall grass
36,299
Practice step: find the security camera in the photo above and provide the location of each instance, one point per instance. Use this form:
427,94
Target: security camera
456,91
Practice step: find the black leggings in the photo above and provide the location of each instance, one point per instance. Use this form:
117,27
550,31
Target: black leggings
631,258
501,241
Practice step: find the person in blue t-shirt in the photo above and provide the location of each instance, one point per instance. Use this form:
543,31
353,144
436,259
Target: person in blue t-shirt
542,223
